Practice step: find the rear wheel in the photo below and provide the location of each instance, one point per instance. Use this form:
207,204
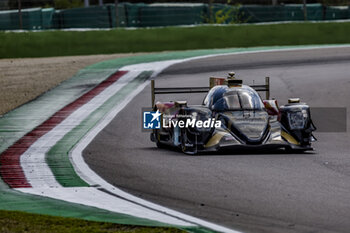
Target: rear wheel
155,136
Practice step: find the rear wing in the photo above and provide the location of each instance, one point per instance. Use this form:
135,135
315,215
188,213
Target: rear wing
212,83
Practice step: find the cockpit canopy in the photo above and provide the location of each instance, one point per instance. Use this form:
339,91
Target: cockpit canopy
224,98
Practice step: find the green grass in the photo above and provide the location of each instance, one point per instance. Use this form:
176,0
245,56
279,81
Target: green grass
14,221
62,43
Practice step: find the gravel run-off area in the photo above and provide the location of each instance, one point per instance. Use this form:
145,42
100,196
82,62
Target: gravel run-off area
22,80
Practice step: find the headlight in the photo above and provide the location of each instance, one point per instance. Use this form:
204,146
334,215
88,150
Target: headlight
296,120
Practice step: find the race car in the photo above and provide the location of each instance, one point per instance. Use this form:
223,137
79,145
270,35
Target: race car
232,116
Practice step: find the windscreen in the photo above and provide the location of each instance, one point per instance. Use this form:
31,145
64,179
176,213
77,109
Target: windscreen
243,99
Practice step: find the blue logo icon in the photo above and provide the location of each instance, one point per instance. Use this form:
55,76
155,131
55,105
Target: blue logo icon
151,120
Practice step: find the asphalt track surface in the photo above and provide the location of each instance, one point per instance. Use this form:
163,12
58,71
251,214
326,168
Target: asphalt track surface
251,192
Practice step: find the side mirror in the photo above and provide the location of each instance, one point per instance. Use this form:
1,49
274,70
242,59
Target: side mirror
271,107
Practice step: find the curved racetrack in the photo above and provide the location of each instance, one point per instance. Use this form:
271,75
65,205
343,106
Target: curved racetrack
251,192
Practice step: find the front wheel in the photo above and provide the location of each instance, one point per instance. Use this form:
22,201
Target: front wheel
186,147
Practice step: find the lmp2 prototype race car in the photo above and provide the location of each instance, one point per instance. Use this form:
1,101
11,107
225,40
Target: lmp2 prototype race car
231,116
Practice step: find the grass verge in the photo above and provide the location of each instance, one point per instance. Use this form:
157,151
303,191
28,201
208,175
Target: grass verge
14,221
64,43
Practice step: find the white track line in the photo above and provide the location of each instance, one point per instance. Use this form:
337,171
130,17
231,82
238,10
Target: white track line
93,197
